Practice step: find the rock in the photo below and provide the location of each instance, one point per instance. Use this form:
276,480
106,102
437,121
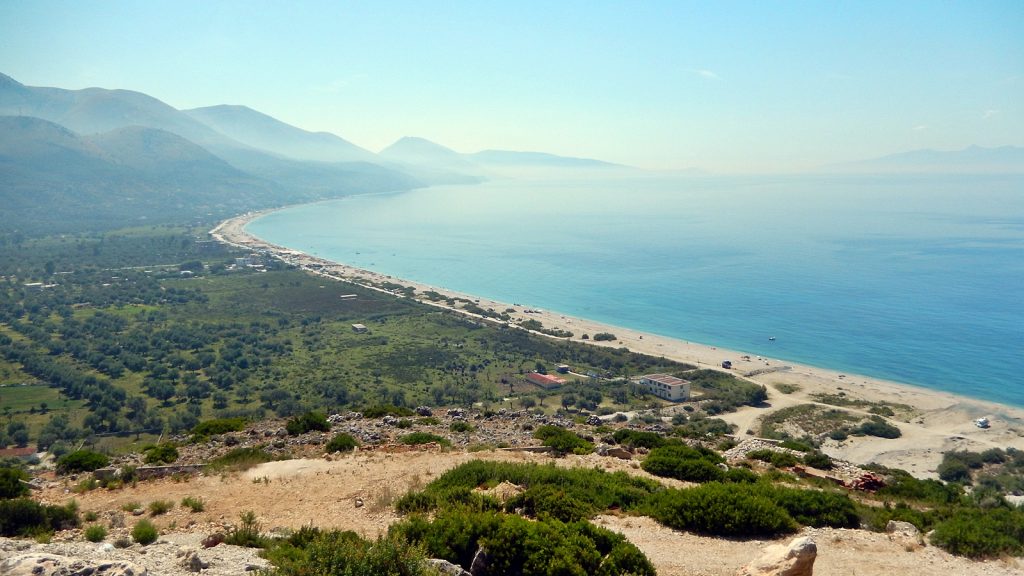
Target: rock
191,561
446,567
616,451
53,565
214,539
106,474
795,559
901,528
594,420
359,502
424,411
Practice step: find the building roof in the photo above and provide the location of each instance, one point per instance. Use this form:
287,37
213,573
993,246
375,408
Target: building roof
545,378
666,379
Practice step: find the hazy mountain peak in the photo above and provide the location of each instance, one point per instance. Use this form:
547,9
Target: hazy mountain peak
259,130
415,144
8,82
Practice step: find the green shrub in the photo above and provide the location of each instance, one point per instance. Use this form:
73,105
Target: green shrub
750,509
774,457
247,532
26,517
813,507
428,421
240,459
194,504
901,484
310,552
684,463
95,533
160,454
81,461
796,445
978,533
548,501
144,532
839,434
702,428
416,438
879,428
209,428
563,441
386,409
600,490
637,439
818,460
954,471
342,442
127,474
159,507
519,546
12,483
720,510
740,475
306,423
404,424
460,426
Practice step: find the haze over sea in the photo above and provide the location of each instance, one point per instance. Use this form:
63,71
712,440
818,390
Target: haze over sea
916,279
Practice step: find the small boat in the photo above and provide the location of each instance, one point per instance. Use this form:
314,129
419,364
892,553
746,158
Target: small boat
982,422
772,338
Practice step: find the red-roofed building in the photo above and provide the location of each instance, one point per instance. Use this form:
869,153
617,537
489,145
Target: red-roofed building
544,380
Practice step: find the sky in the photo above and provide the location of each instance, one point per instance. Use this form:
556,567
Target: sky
727,86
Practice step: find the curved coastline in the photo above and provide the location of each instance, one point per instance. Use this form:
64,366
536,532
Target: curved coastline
938,422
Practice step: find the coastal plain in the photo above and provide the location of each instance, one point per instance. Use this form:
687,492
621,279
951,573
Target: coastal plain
931,422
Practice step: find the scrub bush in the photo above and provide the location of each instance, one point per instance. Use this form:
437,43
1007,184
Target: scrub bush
342,442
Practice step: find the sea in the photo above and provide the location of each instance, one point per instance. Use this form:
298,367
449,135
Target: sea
911,278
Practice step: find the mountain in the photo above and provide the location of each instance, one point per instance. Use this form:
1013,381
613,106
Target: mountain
536,159
973,159
431,161
258,130
54,180
422,156
94,110
422,152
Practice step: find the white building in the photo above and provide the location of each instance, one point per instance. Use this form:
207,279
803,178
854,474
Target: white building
666,386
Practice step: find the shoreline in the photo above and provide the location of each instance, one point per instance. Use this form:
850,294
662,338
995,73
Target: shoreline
936,423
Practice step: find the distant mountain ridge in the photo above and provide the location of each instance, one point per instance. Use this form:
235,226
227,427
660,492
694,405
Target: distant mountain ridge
420,153
1003,159
106,156
261,131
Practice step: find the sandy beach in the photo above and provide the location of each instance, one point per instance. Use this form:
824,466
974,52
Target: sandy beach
936,422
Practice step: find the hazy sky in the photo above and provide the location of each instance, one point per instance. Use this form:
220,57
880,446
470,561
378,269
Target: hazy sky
727,86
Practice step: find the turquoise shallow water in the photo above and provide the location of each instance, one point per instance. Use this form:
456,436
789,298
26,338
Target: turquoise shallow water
914,279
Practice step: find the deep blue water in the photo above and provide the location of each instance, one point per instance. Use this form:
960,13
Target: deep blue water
914,279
